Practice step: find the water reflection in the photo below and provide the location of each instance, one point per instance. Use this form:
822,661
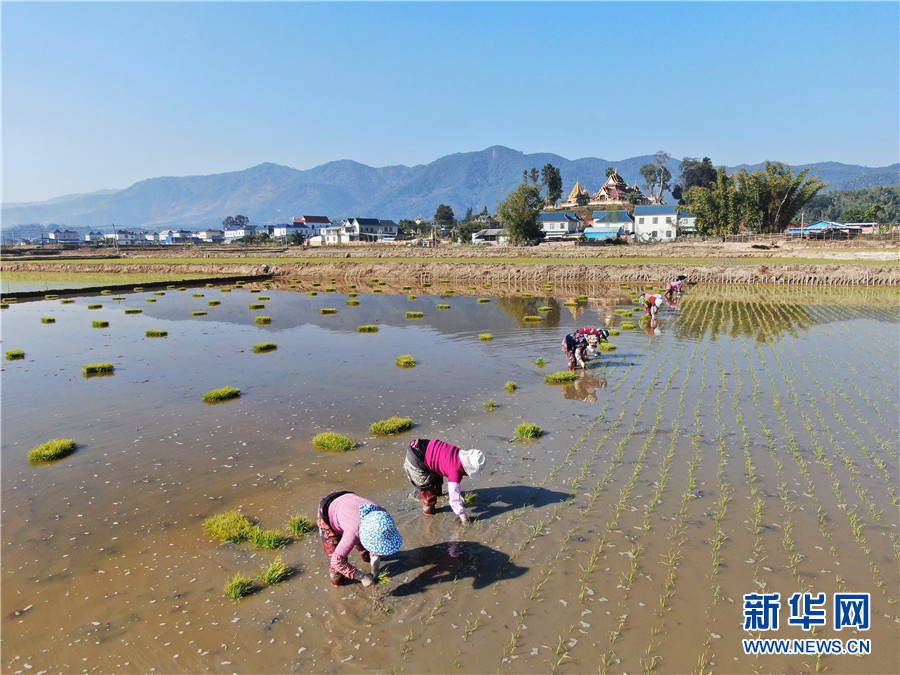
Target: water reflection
584,388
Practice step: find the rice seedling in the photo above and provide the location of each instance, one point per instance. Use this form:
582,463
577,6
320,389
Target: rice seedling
94,306
531,318
560,377
352,303
66,301
119,297
4,305
541,362
628,325
391,426
510,386
275,573
352,295
406,288
197,295
264,347
526,295
490,405
11,300
95,368
351,286
412,297
545,308
301,525
214,303
367,329
151,299
328,310
449,291
14,354
606,347
376,290
171,287
257,305
328,441
624,312
159,293
470,288
198,313
230,526
570,303
263,298
311,293
482,301
528,430
100,324
157,333
105,292
48,319
268,539
406,361
443,306
426,285
133,311
224,290
582,298
470,498
415,315
614,332
485,337
238,586
138,289
51,450
384,577
221,394
51,296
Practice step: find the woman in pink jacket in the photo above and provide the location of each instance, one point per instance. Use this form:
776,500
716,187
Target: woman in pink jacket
347,521
428,462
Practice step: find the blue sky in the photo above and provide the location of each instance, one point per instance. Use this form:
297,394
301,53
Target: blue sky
102,95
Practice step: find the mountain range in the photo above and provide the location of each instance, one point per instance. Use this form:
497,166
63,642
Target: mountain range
272,193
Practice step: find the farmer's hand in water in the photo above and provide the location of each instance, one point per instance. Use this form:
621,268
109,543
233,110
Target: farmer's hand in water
367,580
376,566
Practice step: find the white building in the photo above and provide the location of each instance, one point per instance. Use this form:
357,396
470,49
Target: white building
556,225
63,237
658,222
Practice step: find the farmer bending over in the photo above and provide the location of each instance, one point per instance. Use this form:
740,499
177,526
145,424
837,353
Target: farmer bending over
345,521
428,462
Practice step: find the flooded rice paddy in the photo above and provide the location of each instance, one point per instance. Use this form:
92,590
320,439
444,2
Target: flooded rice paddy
746,442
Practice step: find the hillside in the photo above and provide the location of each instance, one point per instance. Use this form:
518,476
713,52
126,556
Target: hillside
271,193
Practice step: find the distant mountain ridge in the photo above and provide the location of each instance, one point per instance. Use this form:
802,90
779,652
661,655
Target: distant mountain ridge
272,193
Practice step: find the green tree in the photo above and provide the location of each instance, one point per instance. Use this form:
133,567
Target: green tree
582,199
295,239
464,231
443,217
770,199
518,213
550,176
610,171
657,177
715,207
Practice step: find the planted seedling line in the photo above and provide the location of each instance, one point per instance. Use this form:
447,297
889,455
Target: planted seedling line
629,575
855,520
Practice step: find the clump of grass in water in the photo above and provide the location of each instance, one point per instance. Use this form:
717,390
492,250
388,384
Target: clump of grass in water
4,305
391,426
311,293
562,376
221,394
415,315
95,368
51,297
582,298
105,292
510,386
138,289
171,287
274,573
156,333
200,313
607,347
257,306
100,324
570,303
624,312
94,306
628,325
541,362
263,320
270,539
614,332
238,587
214,303
412,297
482,301
490,405
486,337
426,285
230,526
530,317
545,308
263,298
352,303
159,293
51,450
406,361
328,310
14,354
528,430
367,329
301,525
67,301
406,288
119,297
224,290
443,306
329,441
470,288
352,295
48,319
197,295
264,347
151,299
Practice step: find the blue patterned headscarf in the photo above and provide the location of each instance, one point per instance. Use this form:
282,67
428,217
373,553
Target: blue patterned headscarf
377,531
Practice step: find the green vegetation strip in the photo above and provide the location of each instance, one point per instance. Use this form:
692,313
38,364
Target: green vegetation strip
393,425
221,394
94,368
55,449
329,441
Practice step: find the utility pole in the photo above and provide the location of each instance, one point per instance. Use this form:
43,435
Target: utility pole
115,238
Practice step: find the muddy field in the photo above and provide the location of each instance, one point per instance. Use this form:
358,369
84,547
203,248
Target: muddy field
746,442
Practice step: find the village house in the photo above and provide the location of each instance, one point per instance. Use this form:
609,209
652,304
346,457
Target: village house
235,233
493,236
314,223
563,224
211,236
287,229
63,237
126,238
657,222
93,237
